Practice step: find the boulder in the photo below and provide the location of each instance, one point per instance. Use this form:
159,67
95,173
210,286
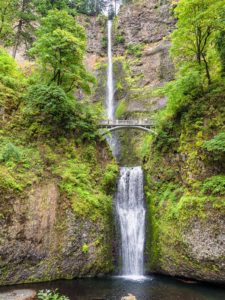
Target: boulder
18,295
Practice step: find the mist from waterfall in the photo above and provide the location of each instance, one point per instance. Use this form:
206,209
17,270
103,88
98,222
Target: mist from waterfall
130,211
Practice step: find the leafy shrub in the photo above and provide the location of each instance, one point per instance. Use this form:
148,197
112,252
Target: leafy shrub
9,73
135,49
180,93
146,146
109,178
51,106
121,109
216,145
119,39
52,103
7,181
104,42
85,248
10,152
50,295
214,185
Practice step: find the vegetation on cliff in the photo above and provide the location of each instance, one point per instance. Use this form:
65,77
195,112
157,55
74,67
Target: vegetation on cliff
184,162
51,151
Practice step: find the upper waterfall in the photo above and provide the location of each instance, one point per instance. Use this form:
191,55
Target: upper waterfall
110,85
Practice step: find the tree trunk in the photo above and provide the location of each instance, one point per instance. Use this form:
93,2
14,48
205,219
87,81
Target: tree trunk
15,48
207,69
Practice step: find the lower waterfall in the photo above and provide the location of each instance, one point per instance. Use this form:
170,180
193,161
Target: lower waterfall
130,211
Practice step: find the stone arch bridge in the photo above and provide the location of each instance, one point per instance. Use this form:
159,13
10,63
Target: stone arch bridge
114,125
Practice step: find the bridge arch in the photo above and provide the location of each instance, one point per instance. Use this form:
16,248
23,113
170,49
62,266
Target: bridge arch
115,128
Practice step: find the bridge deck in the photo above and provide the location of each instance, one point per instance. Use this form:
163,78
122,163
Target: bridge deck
126,123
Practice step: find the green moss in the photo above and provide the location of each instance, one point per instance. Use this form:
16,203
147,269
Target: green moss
214,185
184,183
85,248
121,109
135,49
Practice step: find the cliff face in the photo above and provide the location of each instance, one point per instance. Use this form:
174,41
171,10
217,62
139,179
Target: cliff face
139,37
49,232
186,220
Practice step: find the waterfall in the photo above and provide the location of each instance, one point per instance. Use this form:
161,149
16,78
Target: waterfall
110,105
110,86
131,215
130,208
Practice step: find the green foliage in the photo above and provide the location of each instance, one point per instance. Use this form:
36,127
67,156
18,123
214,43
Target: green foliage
135,49
90,7
109,178
60,49
52,108
20,165
194,39
8,9
121,109
180,94
10,152
104,42
146,146
85,248
220,43
214,185
26,16
7,181
216,145
50,295
10,75
43,6
52,105
119,39
81,181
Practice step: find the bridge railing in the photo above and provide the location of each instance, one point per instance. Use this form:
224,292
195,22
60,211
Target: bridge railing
127,122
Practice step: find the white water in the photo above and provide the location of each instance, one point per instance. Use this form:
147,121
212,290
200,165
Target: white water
110,85
110,105
131,214
130,195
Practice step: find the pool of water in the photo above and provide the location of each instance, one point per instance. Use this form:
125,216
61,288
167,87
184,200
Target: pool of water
113,288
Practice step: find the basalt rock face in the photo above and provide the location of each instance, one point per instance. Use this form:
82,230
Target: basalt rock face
139,47
193,247
42,238
141,65
147,22
186,228
139,35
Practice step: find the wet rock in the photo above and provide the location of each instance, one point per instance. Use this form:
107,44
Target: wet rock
129,297
18,295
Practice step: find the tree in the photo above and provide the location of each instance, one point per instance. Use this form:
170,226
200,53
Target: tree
197,26
10,75
43,6
89,7
8,9
220,43
25,24
60,48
